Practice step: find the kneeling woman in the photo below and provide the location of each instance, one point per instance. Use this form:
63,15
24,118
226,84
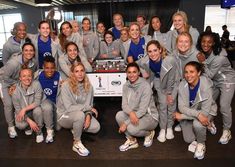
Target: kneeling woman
75,107
196,107
139,115
27,99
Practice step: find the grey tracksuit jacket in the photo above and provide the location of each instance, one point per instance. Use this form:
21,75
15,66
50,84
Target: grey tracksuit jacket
11,47
54,47
108,49
91,44
137,97
173,34
204,103
65,65
22,98
219,70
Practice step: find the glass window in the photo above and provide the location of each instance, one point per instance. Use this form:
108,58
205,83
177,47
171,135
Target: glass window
6,26
216,17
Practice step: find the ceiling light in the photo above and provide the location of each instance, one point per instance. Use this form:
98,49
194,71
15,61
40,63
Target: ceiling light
43,2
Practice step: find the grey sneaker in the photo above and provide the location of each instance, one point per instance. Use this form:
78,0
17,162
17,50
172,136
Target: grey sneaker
12,132
148,140
200,151
226,136
79,148
50,135
129,144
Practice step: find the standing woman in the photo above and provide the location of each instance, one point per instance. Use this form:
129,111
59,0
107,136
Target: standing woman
118,25
109,48
27,100
180,22
44,44
163,71
139,115
71,56
15,42
10,77
67,35
219,70
90,40
154,31
196,107
75,107
136,49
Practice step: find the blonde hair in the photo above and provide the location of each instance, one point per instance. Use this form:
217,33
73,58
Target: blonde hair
159,46
185,19
73,83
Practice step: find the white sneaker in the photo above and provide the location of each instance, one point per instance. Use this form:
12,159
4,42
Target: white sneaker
212,128
12,132
79,148
178,128
50,135
129,144
200,151
148,140
192,147
39,138
162,136
28,132
169,134
226,136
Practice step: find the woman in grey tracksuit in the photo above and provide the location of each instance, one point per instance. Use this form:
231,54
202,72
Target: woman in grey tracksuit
139,115
196,107
180,22
44,35
27,99
90,40
14,43
9,78
219,70
110,48
71,56
164,73
75,107
66,35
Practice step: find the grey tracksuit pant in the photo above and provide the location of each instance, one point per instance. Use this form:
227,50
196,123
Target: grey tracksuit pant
146,124
165,111
226,92
47,110
75,120
8,106
194,130
36,115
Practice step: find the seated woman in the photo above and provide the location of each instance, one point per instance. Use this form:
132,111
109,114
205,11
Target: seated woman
27,99
109,48
196,106
163,72
71,56
75,107
139,115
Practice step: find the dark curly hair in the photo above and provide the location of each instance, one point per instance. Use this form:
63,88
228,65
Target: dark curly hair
217,45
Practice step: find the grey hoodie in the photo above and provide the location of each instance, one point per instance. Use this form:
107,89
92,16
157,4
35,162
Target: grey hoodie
183,59
22,98
203,103
138,97
91,41
218,68
169,75
54,47
65,65
10,71
11,47
108,48
70,102
173,34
